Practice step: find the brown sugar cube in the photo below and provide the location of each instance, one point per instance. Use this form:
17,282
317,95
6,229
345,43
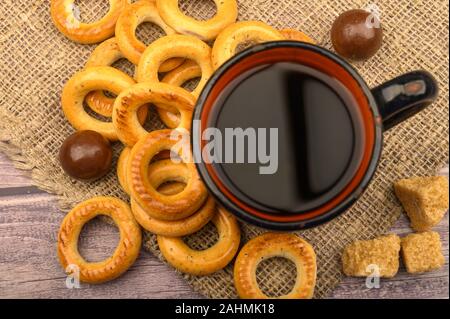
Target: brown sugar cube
422,252
425,200
382,252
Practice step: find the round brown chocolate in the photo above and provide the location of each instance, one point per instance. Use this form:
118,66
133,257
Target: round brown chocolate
357,35
86,155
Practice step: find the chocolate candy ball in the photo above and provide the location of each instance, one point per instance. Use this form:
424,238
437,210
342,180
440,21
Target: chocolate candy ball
357,35
86,155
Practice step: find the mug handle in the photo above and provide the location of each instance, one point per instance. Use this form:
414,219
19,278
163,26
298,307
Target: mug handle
404,96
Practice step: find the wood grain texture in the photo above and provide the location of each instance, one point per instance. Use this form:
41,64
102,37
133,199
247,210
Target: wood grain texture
29,268
29,222
428,285
11,177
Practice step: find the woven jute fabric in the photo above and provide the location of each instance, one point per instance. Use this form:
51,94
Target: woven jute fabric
36,61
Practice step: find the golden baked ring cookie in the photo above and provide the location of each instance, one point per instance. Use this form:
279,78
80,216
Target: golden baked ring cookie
171,188
125,120
175,46
184,73
130,18
227,12
163,172
126,252
122,164
208,261
269,245
106,54
157,205
175,228
92,79
240,33
62,12
296,35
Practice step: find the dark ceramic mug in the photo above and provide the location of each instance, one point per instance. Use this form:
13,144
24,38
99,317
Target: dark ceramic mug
380,108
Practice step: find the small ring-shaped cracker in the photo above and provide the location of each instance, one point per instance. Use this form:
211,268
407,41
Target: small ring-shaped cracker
171,188
126,252
125,120
208,261
106,54
269,245
168,189
157,205
176,228
122,164
130,18
62,12
296,35
175,46
92,79
239,33
227,12
186,72
162,172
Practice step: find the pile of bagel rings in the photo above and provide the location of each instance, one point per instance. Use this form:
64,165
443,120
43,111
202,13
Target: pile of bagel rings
167,196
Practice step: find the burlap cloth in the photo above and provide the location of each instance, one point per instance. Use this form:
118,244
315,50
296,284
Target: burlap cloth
36,61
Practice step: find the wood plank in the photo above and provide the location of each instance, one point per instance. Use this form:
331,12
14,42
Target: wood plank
29,267
10,176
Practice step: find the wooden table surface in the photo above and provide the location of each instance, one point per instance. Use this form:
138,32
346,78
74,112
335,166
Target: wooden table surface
29,222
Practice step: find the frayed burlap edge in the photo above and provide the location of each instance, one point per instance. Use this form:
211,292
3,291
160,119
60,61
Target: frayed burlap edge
417,34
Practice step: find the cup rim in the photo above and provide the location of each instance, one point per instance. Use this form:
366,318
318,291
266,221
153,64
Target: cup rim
340,207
